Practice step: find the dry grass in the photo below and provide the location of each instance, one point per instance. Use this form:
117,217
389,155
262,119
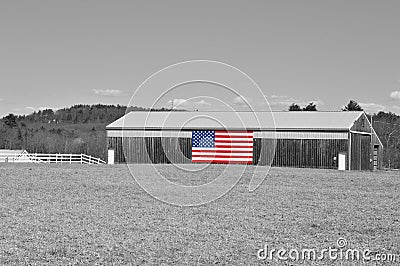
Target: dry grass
63,214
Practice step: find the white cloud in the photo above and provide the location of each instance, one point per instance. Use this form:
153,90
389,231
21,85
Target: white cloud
33,109
395,95
395,109
318,102
244,103
178,103
275,100
281,102
202,103
278,97
372,107
107,92
188,104
1,99
241,100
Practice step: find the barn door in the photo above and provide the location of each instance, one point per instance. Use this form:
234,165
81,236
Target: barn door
111,156
342,161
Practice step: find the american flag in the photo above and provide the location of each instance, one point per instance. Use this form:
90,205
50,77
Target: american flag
219,146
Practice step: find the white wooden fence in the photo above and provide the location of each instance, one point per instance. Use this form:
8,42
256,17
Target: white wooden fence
50,158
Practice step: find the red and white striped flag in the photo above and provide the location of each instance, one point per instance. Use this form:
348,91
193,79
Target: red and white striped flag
220,146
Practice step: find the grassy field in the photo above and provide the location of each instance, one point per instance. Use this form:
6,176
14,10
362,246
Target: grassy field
79,214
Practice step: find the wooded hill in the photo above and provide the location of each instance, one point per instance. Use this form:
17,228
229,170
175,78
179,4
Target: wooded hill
81,129
78,129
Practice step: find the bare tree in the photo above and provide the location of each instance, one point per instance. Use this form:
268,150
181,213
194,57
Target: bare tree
387,126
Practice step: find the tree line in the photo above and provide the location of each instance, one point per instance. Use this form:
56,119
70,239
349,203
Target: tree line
351,106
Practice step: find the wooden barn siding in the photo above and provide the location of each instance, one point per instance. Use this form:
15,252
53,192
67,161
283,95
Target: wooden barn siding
115,143
263,151
151,150
301,153
360,152
380,156
375,141
362,124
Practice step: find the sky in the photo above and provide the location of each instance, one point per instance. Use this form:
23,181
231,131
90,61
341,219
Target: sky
54,54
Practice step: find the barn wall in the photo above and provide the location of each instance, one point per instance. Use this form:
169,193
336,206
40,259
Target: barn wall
377,142
363,135
300,153
115,143
263,151
380,156
361,124
361,152
379,153
151,150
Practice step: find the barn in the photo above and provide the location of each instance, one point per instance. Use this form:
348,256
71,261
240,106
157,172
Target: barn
328,140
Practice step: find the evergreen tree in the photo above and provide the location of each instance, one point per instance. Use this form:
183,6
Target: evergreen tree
310,107
352,106
294,107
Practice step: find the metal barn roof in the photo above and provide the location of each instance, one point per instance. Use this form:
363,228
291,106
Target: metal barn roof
342,121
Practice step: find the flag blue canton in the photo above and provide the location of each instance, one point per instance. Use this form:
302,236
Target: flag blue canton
203,139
